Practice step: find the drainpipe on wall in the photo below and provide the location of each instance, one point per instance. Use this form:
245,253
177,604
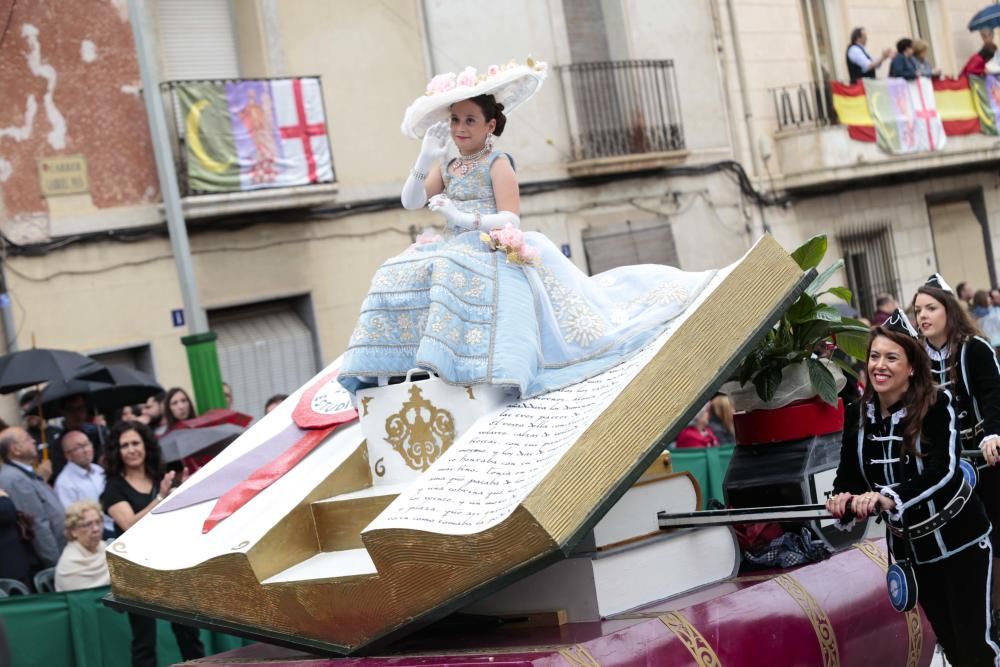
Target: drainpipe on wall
425,37
7,326
752,139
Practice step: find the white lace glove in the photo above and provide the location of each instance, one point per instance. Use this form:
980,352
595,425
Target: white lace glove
462,221
432,150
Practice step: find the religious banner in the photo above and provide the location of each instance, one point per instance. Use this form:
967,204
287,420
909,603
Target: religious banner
252,133
986,101
905,115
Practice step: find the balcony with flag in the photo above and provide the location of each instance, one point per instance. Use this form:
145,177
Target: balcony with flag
250,145
623,115
837,133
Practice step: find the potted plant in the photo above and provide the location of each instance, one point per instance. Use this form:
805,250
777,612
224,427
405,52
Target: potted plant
786,361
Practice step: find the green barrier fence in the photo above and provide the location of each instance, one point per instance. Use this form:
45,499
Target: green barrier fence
76,630
708,465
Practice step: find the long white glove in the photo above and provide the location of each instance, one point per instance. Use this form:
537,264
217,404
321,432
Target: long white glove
434,147
463,221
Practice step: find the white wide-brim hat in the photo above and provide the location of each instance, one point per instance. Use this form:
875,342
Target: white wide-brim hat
511,85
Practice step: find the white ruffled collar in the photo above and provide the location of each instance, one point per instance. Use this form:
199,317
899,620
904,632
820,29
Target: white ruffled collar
935,354
896,415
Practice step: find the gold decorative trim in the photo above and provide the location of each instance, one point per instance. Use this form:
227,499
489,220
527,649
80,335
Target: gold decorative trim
420,432
579,656
875,554
914,623
696,644
816,615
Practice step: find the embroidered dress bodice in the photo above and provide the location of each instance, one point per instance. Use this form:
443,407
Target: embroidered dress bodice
459,309
473,192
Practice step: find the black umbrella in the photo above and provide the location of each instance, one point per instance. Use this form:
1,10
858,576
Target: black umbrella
38,365
128,386
183,442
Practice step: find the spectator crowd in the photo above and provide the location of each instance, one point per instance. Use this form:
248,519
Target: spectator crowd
910,58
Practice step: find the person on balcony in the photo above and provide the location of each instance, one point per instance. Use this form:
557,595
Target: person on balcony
977,62
924,68
860,64
903,66
483,302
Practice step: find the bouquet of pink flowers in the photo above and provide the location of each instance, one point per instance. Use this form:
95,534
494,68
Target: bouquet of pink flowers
510,240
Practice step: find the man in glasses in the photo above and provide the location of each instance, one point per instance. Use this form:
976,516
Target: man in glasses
81,479
31,494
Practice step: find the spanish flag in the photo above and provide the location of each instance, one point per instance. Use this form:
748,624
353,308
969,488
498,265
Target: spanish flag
954,102
852,110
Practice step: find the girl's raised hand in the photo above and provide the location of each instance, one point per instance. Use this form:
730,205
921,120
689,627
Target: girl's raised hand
435,143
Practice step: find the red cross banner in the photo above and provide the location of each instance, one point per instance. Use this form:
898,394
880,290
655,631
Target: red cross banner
905,115
251,134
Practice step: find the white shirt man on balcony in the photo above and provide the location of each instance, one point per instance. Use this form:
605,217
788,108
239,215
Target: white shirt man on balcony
860,64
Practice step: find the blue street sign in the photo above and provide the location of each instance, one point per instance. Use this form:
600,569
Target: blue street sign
565,249
177,315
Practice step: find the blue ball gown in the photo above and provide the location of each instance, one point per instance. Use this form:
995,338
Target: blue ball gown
458,308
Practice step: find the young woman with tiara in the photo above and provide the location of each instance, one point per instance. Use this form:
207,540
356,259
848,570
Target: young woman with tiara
964,362
904,463
484,302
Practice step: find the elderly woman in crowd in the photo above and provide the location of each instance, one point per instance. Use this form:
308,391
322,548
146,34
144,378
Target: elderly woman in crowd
83,563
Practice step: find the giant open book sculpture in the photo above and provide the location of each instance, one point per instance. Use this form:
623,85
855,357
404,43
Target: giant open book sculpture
330,558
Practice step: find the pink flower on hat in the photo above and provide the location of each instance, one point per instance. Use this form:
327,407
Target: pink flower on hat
441,83
492,70
467,77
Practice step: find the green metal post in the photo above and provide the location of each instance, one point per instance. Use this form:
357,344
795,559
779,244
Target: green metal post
203,359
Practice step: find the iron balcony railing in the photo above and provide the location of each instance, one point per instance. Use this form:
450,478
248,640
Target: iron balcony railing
624,107
804,105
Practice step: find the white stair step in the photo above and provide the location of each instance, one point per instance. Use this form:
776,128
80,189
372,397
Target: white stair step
329,565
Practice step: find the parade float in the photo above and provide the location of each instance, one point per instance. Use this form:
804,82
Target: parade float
437,524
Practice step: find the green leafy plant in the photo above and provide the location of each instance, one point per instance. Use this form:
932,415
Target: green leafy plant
805,326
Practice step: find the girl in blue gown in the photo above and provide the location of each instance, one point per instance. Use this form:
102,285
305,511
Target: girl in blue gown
520,315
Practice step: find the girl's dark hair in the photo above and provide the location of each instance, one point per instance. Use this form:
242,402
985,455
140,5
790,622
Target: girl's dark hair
492,110
960,325
987,52
113,456
922,393
169,415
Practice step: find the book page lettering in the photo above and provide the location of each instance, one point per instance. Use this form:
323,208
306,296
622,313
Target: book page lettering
491,469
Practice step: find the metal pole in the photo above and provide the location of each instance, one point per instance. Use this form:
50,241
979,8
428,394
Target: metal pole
202,355
193,312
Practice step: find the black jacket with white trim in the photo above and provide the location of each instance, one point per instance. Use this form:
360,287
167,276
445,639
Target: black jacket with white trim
977,393
922,486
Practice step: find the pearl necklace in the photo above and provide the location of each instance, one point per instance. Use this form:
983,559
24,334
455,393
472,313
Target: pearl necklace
467,162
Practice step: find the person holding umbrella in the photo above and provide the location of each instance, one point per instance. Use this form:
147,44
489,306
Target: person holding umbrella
135,485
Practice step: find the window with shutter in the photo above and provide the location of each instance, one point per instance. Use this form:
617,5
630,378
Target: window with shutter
197,40
264,349
649,242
